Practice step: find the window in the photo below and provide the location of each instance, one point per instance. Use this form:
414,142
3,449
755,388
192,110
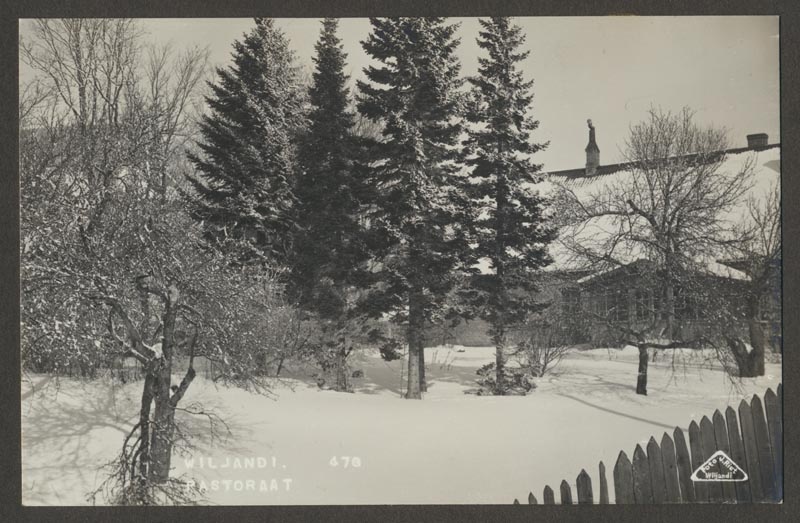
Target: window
570,301
643,304
620,305
684,306
612,304
603,303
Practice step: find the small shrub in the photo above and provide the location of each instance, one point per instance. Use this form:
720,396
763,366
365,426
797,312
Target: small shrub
391,350
518,381
540,358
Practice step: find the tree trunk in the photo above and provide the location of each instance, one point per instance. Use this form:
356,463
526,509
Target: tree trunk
423,385
757,337
414,337
641,380
500,363
750,364
144,428
501,200
669,307
262,363
745,361
342,383
163,427
413,391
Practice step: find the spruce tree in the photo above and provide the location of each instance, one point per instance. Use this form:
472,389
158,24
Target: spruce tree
327,257
415,217
508,223
245,169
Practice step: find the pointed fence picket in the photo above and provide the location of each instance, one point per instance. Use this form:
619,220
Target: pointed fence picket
566,493
603,484
623,480
737,454
722,443
764,449
584,488
751,436
772,403
696,446
684,462
656,466
669,461
549,496
642,488
750,452
708,440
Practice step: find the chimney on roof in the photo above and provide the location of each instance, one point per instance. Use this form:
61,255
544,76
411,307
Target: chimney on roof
757,140
592,152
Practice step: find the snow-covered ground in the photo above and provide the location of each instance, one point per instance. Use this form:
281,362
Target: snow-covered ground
451,447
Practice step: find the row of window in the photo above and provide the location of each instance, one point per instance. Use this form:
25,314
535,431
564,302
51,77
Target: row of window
623,305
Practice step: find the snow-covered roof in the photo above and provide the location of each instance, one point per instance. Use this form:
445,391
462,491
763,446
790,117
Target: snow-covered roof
766,162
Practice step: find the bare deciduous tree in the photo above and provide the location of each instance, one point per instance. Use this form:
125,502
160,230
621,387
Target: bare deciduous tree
758,256
668,209
112,264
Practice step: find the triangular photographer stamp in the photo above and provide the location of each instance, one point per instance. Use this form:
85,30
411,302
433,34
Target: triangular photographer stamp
719,467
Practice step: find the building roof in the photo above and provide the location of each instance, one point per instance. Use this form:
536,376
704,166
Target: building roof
766,173
579,174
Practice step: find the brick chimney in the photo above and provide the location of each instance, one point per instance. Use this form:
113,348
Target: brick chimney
592,152
757,140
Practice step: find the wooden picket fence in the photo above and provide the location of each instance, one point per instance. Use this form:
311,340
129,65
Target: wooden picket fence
662,473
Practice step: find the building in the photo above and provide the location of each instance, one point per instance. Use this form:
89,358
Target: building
623,294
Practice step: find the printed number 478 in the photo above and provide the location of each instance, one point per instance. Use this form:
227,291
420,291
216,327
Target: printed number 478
345,461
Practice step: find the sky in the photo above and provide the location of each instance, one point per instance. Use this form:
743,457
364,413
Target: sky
609,69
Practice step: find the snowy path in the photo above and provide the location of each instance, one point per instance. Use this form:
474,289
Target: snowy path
450,447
